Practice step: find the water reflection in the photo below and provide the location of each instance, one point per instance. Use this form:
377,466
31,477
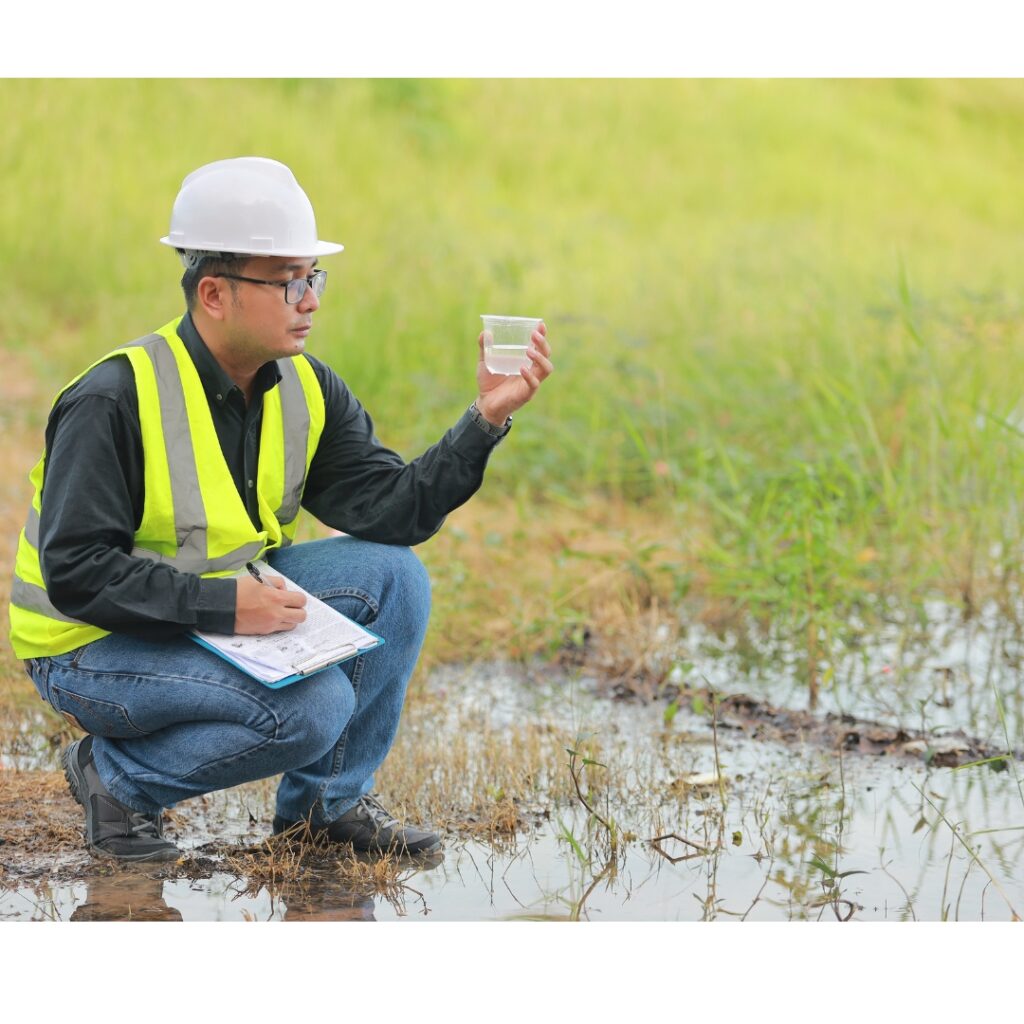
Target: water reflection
323,895
125,896
324,903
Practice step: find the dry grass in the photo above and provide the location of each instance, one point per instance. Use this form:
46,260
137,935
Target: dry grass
468,776
313,876
40,823
515,581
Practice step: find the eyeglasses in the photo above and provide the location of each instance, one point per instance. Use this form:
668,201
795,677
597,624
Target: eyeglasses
294,290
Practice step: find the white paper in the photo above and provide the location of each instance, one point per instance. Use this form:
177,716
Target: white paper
325,637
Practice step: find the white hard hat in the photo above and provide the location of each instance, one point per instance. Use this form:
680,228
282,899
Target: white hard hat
246,205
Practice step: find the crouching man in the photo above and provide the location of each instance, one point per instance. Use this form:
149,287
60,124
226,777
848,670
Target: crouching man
177,458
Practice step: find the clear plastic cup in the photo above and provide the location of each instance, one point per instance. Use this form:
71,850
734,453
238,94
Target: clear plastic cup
506,339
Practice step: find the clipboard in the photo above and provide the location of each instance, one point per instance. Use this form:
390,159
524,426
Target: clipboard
326,638
302,671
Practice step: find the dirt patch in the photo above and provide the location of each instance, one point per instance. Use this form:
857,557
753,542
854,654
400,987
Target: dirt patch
760,720
40,826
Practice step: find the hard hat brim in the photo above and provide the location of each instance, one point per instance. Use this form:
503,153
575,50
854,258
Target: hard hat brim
321,249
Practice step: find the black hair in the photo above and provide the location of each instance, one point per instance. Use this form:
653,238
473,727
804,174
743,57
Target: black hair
209,266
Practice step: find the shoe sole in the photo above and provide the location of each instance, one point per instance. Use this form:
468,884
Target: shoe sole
78,786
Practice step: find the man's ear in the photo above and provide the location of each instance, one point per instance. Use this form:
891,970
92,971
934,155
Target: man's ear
212,294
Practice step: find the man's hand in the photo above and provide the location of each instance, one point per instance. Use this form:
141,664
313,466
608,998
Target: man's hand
501,395
267,607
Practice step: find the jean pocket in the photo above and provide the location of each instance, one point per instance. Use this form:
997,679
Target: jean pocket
38,670
99,717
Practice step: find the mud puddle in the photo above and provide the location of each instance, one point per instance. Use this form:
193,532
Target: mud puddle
742,811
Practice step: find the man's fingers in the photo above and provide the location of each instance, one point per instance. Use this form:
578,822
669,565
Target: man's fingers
542,362
283,594
293,599
529,374
288,618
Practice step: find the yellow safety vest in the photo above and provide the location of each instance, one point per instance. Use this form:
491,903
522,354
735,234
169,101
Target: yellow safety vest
185,475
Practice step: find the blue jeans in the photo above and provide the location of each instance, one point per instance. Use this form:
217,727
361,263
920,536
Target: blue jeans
171,720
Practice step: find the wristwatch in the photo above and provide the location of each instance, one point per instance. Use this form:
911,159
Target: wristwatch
486,425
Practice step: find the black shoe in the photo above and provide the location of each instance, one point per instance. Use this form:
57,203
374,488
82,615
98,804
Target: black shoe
367,826
112,829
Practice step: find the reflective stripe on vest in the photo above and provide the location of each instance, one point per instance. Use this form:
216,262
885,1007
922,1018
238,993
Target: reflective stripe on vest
189,512
191,555
174,515
190,521
32,527
296,420
35,599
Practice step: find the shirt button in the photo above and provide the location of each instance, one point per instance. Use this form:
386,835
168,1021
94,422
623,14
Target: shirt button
250,483
220,398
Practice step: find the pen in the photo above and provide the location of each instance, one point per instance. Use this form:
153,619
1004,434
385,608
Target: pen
255,573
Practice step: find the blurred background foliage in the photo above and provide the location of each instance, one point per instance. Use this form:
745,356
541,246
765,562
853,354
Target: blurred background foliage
786,314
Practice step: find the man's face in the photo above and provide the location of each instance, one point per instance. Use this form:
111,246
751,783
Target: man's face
258,322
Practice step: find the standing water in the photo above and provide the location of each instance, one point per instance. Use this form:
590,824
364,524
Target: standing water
558,802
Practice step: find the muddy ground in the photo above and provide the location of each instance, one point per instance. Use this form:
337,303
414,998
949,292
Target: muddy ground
42,834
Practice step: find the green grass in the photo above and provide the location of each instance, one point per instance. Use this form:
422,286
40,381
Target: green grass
787,313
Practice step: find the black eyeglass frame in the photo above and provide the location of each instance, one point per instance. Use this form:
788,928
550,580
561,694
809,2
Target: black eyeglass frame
306,282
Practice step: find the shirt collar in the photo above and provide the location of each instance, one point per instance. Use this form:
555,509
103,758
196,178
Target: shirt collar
216,383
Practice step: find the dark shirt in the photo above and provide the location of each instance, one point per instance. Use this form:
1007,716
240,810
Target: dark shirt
94,491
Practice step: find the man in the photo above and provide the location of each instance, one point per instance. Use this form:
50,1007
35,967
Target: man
178,458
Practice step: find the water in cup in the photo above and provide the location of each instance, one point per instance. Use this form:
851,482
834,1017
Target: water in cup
505,359
506,340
